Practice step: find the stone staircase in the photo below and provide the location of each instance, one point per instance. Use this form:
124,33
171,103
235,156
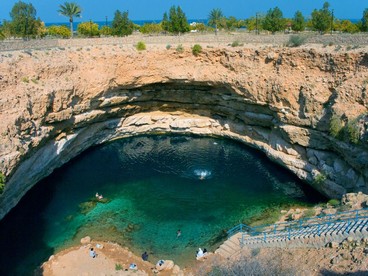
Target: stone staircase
316,235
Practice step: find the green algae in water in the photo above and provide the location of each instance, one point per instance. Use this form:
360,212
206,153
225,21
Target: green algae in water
154,186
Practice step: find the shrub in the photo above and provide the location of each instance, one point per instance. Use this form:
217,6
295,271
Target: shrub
88,29
168,47
319,179
334,202
2,183
197,49
140,46
336,126
352,131
236,44
180,48
296,41
106,31
59,31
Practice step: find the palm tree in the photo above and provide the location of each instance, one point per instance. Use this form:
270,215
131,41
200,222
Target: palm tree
214,18
70,10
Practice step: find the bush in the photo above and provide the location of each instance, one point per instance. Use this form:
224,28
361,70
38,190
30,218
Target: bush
106,31
2,183
319,179
168,47
180,48
59,31
140,46
334,202
197,49
88,29
352,131
296,41
335,126
236,44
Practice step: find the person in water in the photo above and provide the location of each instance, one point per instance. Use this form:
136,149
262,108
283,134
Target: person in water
178,233
99,197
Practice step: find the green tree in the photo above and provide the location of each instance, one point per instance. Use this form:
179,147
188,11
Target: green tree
274,20
2,35
321,19
364,24
215,18
59,31
298,23
178,22
70,10
165,22
121,25
88,29
24,22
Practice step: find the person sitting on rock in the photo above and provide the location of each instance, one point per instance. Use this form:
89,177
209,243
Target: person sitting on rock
200,253
92,253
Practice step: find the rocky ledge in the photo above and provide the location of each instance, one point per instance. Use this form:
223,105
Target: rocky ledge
56,103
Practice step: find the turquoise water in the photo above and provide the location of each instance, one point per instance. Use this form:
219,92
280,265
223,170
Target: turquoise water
152,186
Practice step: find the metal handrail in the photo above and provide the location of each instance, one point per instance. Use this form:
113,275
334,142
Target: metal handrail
287,228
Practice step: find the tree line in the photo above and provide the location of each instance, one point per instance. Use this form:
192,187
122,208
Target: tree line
25,24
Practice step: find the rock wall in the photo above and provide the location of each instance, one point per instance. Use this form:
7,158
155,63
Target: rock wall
56,103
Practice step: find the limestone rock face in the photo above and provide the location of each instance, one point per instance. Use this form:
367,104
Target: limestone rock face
56,103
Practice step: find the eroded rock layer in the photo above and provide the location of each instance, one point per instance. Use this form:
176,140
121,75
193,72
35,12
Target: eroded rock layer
56,103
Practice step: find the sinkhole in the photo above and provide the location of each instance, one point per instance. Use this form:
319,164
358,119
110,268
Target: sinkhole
152,186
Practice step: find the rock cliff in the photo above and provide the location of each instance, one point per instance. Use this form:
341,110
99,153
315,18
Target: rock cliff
56,103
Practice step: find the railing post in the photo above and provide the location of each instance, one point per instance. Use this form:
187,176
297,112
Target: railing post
264,236
356,215
289,233
319,230
274,229
241,227
300,223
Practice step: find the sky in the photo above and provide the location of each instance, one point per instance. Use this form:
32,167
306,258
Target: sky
98,10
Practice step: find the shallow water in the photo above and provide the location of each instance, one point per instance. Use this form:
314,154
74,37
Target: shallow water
152,186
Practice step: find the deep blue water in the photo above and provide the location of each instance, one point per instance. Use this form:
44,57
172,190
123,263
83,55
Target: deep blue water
153,187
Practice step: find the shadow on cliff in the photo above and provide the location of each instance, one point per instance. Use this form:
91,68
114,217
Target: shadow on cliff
21,253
